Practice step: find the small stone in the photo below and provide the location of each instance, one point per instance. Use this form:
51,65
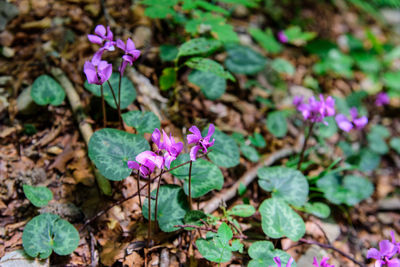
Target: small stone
18,258
241,11
25,104
55,150
392,203
308,257
385,218
8,52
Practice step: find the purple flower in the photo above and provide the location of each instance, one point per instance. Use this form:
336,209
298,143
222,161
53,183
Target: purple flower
382,99
278,262
172,149
202,143
314,110
146,162
97,73
386,251
156,137
282,37
397,244
131,53
323,263
355,122
102,35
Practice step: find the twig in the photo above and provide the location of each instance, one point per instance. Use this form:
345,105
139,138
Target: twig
209,229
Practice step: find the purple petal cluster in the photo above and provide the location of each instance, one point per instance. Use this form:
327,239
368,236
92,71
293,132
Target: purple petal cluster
131,53
148,160
382,99
323,263
282,37
201,143
386,251
278,262
314,110
355,121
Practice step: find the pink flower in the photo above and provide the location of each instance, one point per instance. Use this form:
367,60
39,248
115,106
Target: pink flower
314,110
383,256
201,143
156,137
131,53
323,263
146,162
172,148
97,73
397,244
382,99
102,35
278,262
355,122
282,37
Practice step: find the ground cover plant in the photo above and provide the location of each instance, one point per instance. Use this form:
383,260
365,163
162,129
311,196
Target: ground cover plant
199,133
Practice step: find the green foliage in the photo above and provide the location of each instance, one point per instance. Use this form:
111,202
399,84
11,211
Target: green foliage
278,220
395,144
144,122
212,85
209,65
297,37
376,139
266,39
48,232
287,184
263,253
216,246
172,207
111,149
45,90
391,80
196,4
250,153
326,131
225,152
335,62
247,3
244,60
195,217
198,46
159,9
318,209
168,52
39,196
277,124
205,175
257,140
345,190
128,91
242,210
168,78
281,65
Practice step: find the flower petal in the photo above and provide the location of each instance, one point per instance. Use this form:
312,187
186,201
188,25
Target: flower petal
195,131
373,253
95,39
343,122
193,152
100,30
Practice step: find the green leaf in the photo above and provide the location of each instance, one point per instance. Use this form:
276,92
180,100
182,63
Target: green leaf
346,190
199,46
395,144
195,217
168,52
297,37
367,62
128,91
377,144
284,183
111,149
242,210
318,209
329,130
368,160
172,207
244,60
283,66
209,65
144,122
335,62
48,232
210,84
159,9
257,140
263,253
205,175
266,40
168,78
250,153
216,247
277,124
39,196
239,138
225,152
45,90
278,220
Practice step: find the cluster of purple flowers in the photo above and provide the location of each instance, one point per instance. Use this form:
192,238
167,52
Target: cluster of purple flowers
323,263
98,71
168,150
382,99
383,256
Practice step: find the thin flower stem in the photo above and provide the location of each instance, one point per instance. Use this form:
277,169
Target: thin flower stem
119,102
190,185
103,107
303,149
149,211
138,188
158,189
116,104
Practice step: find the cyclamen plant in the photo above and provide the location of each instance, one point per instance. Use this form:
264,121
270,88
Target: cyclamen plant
387,250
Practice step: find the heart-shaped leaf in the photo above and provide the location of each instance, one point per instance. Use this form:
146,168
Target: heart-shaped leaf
111,149
144,122
48,232
168,52
128,92
39,196
257,140
395,144
244,60
318,209
209,65
276,123
263,253
250,153
225,152
45,90
284,183
212,86
266,39
172,207
198,46
195,217
205,175
281,65
242,210
278,220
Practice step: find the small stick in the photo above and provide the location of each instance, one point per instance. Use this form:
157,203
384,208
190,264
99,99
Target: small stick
190,185
103,107
158,189
138,188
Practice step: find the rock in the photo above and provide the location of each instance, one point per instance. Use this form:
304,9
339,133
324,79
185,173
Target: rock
307,258
8,52
25,104
19,258
332,230
67,211
385,218
392,203
142,36
241,11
